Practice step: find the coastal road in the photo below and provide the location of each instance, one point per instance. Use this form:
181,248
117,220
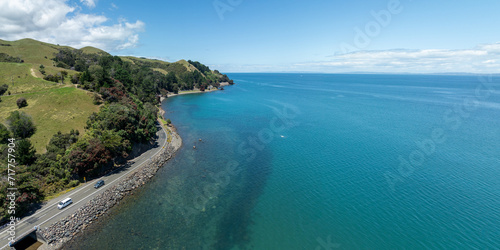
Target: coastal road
48,213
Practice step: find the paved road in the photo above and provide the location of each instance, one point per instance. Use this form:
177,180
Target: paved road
48,212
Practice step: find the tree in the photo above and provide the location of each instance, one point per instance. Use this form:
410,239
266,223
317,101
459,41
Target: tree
21,102
88,156
21,124
25,153
4,134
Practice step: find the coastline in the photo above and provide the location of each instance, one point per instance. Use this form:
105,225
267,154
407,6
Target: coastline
56,235
194,91
186,92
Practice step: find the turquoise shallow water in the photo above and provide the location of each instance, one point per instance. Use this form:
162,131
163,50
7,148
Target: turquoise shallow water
318,161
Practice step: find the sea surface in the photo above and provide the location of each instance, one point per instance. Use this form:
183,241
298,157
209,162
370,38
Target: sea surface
323,161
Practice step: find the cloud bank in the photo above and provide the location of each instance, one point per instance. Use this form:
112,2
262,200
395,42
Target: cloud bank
54,21
481,59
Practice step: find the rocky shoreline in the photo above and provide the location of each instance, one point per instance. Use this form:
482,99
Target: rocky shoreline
64,230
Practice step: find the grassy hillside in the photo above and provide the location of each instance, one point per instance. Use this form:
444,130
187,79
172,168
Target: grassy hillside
35,53
20,79
53,106
160,66
92,50
143,59
188,65
31,51
53,110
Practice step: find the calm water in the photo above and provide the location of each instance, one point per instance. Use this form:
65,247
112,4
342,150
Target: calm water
317,161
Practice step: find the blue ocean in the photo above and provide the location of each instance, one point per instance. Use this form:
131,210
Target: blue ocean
323,161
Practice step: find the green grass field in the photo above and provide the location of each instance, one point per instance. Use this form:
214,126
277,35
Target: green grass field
34,53
18,77
52,110
30,51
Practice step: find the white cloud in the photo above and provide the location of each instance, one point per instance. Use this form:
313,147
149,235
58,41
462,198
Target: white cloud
54,21
89,3
482,59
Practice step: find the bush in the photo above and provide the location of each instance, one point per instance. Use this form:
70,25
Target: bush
3,88
169,121
21,102
51,78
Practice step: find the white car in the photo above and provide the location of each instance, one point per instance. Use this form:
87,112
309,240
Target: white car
64,203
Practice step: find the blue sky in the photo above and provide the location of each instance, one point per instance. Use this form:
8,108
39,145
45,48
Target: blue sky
275,36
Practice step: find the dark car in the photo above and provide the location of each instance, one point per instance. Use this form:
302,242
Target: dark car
99,184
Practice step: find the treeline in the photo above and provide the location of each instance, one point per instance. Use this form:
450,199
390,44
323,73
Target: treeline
214,76
139,78
202,68
74,59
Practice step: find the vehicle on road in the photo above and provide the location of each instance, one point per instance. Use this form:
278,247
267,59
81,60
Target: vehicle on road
64,203
99,184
